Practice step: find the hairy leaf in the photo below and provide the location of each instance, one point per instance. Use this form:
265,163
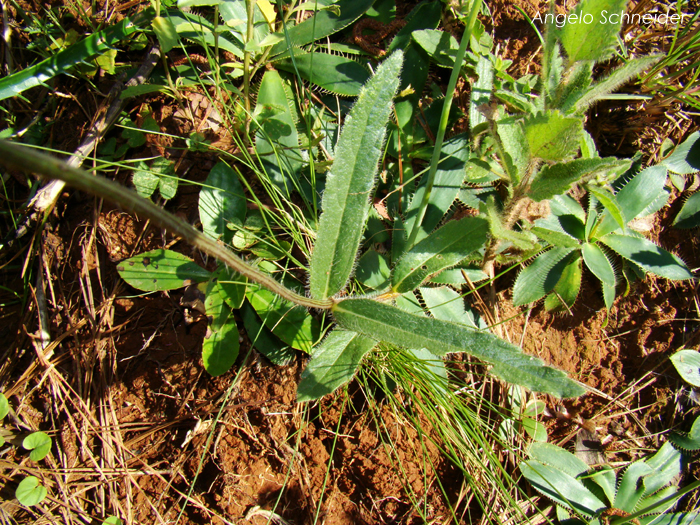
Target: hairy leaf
552,136
558,178
322,24
160,270
608,200
346,199
387,323
561,487
649,256
538,279
594,34
566,291
689,216
333,363
691,440
334,73
598,263
445,247
685,159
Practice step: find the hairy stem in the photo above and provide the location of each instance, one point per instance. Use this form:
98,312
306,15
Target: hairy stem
28,159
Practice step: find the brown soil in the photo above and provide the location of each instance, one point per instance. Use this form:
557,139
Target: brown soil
137,421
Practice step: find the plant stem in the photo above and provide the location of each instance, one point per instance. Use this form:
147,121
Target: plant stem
28,159
449,95
250,33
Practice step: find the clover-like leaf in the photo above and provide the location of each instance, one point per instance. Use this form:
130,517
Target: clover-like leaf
30,491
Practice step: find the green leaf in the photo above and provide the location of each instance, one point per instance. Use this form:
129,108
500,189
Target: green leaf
446,186
551,230
615,80
678,518
161,175
232,287
559,458
608,200
387,323
594,35
221,202
221,344
265,342
373,270
201,31
446,247
441,46
649,256
566,290
540,277
634,198
606,479
277,140
271,252
685,159
446,304
561,487
39,443
598,263
333,363
346,199
322,24
511,134
666,464
30,491
558,178
631,488
690,441
689,216
687,363
534,429
95,44
4,406
552,136
160,270
166,33
334,73
291,323
112,520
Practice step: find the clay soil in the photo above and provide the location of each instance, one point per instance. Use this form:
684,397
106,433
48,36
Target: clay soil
142,432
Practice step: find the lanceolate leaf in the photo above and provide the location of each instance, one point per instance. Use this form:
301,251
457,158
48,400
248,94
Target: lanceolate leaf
346,199
387,323
535,281
566,290
220,347
608,200
685,159
557,179
689,216
649,256
323,24
61,62
334,73
561,487
631,488
333,363
558,457
598,263
690,441
445,247
161,270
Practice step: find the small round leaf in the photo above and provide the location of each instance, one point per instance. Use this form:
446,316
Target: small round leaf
39,443
687,362
30,491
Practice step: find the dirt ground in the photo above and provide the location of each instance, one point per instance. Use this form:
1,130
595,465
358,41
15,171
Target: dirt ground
142,431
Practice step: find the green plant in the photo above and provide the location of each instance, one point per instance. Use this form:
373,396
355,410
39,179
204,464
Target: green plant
30,491
643,493
362,321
